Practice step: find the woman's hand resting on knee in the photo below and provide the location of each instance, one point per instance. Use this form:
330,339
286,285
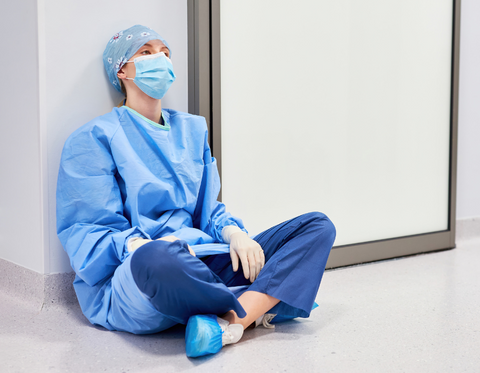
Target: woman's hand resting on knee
173,239
136,242
250,253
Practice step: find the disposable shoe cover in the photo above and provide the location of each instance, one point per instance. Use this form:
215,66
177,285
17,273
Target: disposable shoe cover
203,336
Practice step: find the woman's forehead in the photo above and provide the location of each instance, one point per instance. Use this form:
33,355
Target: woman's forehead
154,43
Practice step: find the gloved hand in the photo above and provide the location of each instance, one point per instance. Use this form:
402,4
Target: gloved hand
135,242
247,250
173,239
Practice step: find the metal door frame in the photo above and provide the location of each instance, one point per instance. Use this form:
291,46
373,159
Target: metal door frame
205,99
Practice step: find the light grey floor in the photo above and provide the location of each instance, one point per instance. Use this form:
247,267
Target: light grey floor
416,314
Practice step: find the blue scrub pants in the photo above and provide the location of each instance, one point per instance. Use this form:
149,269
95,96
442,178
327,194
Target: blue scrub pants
162,284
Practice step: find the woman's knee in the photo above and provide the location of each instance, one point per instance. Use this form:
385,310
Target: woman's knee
322,222
158,259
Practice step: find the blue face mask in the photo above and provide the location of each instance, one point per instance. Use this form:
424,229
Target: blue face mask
154,74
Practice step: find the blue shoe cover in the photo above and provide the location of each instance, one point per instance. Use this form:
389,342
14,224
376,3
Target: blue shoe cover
203,336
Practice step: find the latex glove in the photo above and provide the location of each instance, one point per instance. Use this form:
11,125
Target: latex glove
245,250
173,239
135,242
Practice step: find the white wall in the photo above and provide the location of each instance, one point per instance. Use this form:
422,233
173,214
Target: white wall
50,90
20,187
468,173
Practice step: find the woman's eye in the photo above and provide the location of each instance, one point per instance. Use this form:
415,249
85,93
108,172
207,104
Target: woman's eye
145,52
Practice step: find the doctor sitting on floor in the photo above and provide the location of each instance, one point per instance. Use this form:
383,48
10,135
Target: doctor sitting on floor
138,215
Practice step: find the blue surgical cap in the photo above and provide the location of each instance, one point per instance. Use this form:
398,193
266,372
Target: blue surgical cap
122,46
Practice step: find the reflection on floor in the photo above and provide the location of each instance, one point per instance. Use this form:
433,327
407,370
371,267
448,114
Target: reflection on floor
415,314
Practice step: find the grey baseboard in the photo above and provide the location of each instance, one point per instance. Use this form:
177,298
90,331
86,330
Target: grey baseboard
467,229
36,288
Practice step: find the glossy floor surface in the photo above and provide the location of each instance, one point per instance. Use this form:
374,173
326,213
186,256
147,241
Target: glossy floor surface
415,314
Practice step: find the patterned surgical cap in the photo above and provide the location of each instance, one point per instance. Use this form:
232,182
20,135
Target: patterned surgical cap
122,46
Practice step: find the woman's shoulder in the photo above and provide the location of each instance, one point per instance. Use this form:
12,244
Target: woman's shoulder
101,128
108,122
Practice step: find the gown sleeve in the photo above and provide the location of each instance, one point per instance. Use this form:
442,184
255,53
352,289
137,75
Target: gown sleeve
90,221
210,215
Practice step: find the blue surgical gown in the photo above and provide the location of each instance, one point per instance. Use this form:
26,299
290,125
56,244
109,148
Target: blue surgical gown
121,176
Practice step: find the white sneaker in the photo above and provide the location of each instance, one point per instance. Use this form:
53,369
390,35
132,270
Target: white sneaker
231,333
265,320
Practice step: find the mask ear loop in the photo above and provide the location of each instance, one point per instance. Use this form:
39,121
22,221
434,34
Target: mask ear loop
126,78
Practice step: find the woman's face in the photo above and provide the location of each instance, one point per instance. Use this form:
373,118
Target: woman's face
152,47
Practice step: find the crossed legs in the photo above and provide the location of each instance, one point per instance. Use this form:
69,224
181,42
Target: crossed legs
255,305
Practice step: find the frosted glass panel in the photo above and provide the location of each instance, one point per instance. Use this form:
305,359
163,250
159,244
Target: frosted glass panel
341,107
